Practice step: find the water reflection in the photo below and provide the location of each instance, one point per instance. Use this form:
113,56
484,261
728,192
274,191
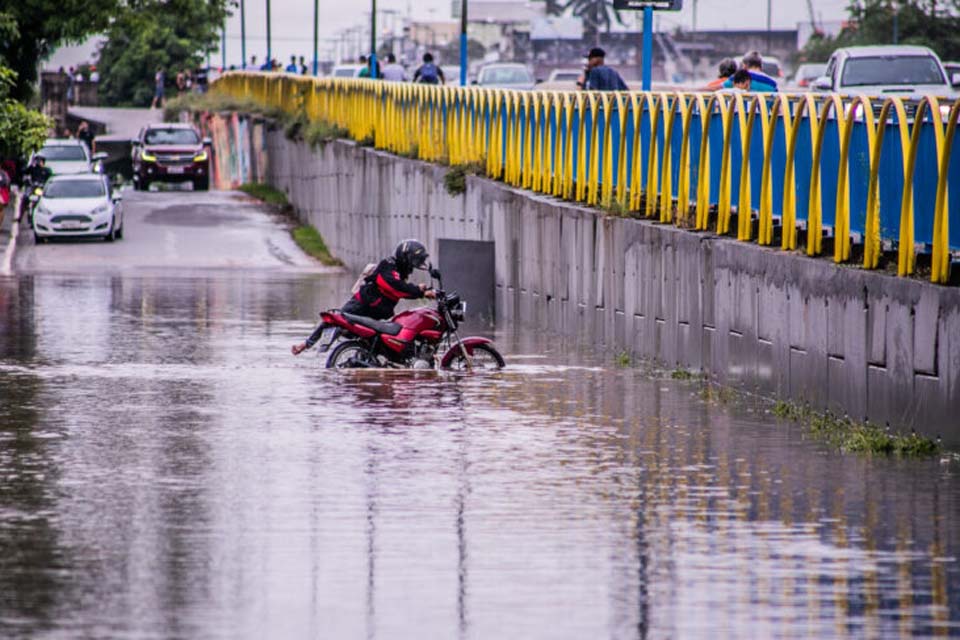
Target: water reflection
167,469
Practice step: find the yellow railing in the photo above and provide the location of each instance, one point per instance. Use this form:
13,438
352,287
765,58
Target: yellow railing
691,159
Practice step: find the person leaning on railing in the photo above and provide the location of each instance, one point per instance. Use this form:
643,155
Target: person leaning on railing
600,77
725,70
759,81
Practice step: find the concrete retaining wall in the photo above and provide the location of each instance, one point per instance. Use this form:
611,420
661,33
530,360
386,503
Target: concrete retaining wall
862,343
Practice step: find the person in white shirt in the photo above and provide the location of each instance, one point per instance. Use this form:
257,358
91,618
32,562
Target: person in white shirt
392,71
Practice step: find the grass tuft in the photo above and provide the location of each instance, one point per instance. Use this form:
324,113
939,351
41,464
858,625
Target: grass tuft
623,360
854,436
455,181
265,193
310,240
683,374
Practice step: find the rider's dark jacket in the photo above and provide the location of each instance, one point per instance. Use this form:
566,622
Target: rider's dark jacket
378,296
381,291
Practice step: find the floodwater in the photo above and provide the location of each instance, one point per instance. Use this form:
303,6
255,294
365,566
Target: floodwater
168,470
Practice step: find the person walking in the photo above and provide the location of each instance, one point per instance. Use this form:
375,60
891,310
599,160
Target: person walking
429,73
85,135
392,71
292,67
303,66
158,81
600,77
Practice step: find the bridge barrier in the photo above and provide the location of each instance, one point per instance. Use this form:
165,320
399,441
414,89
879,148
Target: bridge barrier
871,174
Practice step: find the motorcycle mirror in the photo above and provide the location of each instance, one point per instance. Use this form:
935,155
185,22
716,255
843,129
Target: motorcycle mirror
434,274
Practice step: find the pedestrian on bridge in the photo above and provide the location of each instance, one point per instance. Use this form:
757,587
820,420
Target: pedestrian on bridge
158,81
759,81
429,73
726,68
392,71
600,77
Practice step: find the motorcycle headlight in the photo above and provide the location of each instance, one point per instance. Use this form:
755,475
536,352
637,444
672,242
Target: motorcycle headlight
200,157
147,157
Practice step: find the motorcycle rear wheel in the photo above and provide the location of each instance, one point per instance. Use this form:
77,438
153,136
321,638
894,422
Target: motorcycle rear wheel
351,354
485,358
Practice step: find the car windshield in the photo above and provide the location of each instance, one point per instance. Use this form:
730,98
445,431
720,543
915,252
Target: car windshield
74,189
505,75
891,70
171,136
344,73
64,152
566,75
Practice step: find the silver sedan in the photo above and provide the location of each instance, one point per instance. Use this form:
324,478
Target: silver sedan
78,206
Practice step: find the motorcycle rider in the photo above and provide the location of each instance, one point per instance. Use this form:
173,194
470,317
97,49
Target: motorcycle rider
38,172
383,288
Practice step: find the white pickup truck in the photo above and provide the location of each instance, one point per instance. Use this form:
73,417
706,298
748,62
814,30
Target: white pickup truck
906,71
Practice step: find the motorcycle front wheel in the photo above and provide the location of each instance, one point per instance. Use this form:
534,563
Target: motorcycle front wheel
485,358
351,354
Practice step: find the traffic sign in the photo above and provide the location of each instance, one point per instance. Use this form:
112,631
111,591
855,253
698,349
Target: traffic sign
640,5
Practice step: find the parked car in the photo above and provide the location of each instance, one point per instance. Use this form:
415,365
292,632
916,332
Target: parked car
561,80
505,76
346,71
773,68
78,205
170,153
451,73
807,73
908,71
67,156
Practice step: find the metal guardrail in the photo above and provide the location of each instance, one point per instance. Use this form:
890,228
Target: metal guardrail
866,173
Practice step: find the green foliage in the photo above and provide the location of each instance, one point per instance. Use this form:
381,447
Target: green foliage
623,360
683,374
22,131
920,22
455,181
172,34
321,132
211,102
31,29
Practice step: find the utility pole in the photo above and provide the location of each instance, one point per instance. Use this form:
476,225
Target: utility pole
463,43
316,28
223,45
694,16
243,34
269,50
896,22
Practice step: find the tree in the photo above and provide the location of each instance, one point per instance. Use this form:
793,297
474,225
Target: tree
173,34
596,15
931,23
41,25
22,131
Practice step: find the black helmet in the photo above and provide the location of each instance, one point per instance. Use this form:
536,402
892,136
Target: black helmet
410,255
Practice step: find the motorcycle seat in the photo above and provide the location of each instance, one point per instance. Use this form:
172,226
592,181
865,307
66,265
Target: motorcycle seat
389,328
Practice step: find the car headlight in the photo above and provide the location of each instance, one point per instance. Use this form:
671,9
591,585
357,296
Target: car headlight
200,157
147,157
102,209
43,211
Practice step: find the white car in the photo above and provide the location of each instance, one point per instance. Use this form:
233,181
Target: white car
67,156
347,71
80,205
905,71
505,75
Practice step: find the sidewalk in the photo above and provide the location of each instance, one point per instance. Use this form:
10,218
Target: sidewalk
7,216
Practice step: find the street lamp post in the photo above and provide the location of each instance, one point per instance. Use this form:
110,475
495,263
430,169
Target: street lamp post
243,34
373,39
463,43
269,50
316,27
223,45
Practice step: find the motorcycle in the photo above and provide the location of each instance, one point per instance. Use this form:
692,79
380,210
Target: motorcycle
28,200
411,339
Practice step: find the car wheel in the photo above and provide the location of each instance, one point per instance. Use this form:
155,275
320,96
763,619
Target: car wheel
201,184
37,239
120,232
112,234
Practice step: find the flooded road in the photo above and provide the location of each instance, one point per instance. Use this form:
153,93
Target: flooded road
168,470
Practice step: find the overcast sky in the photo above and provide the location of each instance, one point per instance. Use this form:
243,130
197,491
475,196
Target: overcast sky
292,20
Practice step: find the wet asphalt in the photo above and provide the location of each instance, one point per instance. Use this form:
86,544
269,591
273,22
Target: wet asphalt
168,470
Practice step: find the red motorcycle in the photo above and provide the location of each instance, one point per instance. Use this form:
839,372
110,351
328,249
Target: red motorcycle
411,339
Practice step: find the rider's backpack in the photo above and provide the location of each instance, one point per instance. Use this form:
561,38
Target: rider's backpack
366,276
